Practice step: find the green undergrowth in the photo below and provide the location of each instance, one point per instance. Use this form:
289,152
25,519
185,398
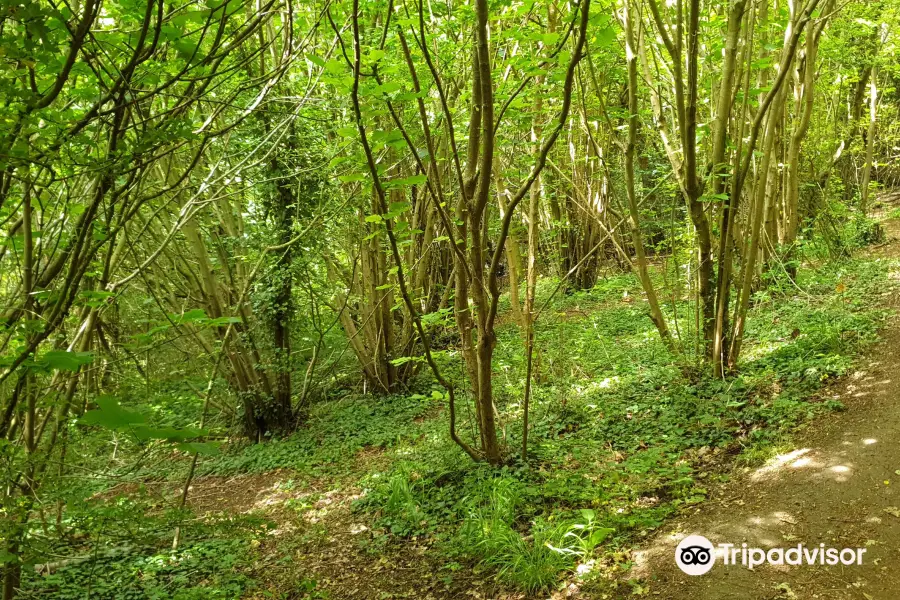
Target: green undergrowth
122,550
620,438
334,432
209,570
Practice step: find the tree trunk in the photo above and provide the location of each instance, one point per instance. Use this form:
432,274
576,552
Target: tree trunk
284,206
656,314
870,143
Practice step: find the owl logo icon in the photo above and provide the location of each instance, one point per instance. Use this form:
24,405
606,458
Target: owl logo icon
695,555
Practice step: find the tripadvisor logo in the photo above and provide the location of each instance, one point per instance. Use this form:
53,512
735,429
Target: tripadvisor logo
696,555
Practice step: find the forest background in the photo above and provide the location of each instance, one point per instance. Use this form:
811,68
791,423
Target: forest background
504,283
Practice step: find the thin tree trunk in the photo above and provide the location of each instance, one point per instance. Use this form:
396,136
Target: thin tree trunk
762,196
727,235
870,142
513,251
531,276
656,314
182,502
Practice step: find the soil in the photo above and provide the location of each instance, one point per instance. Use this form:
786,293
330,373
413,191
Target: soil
319,549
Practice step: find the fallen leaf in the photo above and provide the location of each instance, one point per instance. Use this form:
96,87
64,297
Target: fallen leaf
786,592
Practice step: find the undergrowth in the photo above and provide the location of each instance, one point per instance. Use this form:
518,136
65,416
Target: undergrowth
620,438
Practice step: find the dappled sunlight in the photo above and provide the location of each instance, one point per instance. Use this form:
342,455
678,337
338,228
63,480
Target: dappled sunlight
813,464
762,350
841,473
867,386
325,505
802,463
763,530
289,503
277,496
607,384
473,313
778,463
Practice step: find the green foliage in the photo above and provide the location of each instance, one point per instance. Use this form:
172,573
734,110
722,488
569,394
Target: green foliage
119,547
203,570
620,439
532,565
840,230
110,415
335,433
195,257
66,361
863,231
530,560
402,514
623,439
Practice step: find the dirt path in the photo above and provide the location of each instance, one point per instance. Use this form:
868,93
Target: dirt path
840,486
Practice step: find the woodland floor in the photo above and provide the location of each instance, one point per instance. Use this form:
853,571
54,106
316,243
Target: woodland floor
840,485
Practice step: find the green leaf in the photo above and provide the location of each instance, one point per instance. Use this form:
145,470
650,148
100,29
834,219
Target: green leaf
335,67
66,361
713,197
550,39
405,359
388,87
315,60
205,448
406,181
605,37
397,209
94,298
598,535
110,415
191,316
352,177
172,434
186,48
167,32
223,321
